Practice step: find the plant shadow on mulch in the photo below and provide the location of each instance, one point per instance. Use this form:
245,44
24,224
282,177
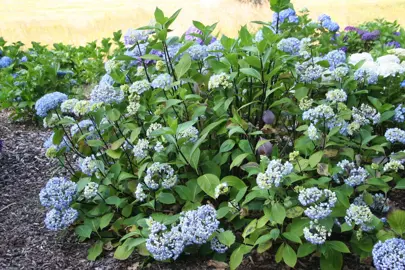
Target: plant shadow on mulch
27,244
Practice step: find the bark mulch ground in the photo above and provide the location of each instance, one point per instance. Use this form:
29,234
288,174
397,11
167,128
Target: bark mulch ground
26,244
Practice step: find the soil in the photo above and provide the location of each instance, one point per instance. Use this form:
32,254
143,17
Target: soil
27,244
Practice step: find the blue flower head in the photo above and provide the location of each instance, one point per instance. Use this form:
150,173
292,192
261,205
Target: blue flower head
60,219
402,85
58,193
5,61
389,254
49,102
286,15
24,59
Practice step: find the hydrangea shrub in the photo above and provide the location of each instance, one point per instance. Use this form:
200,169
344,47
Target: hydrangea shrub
260,142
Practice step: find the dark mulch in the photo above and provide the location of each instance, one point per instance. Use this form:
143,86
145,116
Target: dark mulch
26,244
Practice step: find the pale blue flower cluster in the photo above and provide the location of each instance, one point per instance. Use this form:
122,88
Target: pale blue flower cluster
107,80
320,202
90,190
394,135
274,174
366,76
140,194
198,225
312,132
5,61
399,113
160,174
354,176
359,215
191,134
215,49
335,58
308,71
107,94
289,45
139,87
49,102
389,255
316,234
286,15
88,165
340,72
319,113
133,36
58,193
59,219
198,52
337,95
327,23
365,115
140,149
195,227
68,105
163,81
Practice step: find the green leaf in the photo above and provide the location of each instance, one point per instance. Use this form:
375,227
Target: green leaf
105,220
305,249
125,175
278,213
289,256
338,246
315,159
113,200
233,181
208,183
95,251
166,198
122,252
262,239
227,146
95,143
396,220
400,184
83,231
331,260
114,154
113,115
292,237
183,66
117,144
227,238
238,160
251,72
237,256
250,228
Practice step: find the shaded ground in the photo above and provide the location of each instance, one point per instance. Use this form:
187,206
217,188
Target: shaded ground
26,244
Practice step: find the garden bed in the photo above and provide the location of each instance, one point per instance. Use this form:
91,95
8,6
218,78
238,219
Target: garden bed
27,244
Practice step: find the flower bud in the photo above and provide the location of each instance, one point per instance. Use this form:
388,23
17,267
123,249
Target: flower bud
268,117
265,149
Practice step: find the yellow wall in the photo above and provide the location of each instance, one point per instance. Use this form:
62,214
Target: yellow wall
79,21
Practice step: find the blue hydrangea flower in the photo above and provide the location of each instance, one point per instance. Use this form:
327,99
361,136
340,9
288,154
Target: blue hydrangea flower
324,17
163,81
5,61
49,102
198,52
319,113
107,94
393,44
316,233
215,49
335,58
63,144
60,219
58,193
389,254
107,79
191,33
402,85
289,45
395,135
197,226
309,71
274,174
23,59
399,113
84,125
160,174
330,25
132,36
366,76
319,202
359,215
216,245
286,15
163,244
